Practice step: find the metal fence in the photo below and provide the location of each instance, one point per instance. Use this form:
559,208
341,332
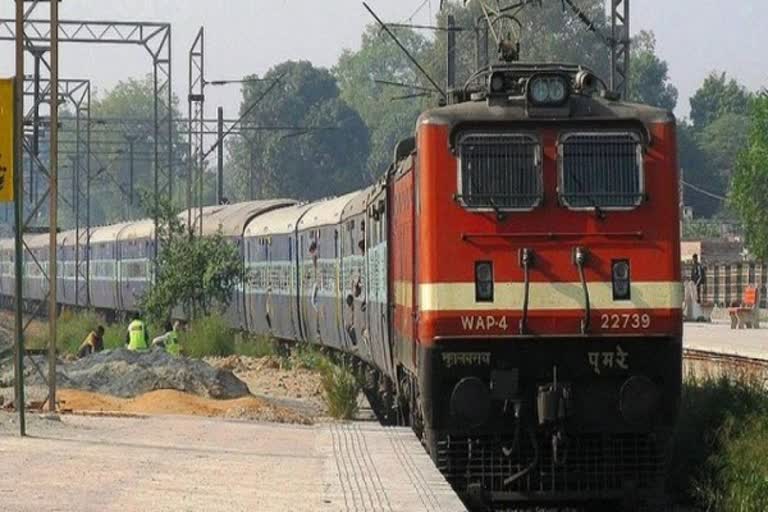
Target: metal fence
725,283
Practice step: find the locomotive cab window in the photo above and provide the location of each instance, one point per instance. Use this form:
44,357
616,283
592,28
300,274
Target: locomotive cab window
601,170
499,171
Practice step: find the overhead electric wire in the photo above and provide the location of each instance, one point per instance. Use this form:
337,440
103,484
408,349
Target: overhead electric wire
407,53
417,11
244,115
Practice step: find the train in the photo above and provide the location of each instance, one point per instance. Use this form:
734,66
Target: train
510,287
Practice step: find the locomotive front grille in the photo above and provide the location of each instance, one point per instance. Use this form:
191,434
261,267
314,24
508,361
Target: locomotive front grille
593,464
499,171
601,170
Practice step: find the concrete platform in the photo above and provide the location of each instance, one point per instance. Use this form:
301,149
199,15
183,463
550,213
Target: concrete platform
718,337
184,463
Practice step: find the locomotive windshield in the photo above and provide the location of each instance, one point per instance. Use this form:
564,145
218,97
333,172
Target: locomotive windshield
601,170
499,171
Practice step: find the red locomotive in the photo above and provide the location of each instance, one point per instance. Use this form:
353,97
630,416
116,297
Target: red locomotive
534,263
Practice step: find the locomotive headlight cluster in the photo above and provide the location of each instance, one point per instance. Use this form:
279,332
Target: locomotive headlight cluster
548,90
484,281
621,280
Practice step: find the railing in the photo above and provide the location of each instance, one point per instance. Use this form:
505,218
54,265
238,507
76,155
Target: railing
724,283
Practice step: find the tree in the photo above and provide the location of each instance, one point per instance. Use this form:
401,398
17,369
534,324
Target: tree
698,170
749,187
196,273
326,158
718,96
380,58
722,140
649,81
710,147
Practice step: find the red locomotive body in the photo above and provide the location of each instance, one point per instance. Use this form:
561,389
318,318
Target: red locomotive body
536,293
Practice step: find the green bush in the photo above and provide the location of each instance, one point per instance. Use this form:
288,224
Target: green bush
722,421
198,274
208,336
340,390
738,472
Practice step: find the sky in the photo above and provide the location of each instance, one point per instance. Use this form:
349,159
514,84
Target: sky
249,36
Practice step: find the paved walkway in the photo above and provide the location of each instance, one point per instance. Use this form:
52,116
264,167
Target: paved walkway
718,337
193,464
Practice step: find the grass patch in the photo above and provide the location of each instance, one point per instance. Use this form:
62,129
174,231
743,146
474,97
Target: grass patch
208,336
720,449
114,335
340,390
254,345
71,329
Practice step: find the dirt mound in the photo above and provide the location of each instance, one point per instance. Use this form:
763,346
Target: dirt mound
127,374
168,401
297,388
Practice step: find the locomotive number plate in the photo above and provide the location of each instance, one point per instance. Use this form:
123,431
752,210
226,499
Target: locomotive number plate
625,321
483,323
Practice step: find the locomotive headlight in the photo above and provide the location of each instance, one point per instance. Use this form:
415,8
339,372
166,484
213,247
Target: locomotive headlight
621,280
497,83
484,281
540,91
547,90
621,270
557,90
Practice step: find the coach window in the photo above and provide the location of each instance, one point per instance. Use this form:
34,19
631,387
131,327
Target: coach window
600,170
499,172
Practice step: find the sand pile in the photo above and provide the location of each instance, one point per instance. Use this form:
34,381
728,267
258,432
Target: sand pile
176,402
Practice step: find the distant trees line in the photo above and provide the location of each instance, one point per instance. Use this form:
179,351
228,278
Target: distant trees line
367,122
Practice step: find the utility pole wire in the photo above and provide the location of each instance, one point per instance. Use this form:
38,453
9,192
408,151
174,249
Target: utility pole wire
705,192
403,85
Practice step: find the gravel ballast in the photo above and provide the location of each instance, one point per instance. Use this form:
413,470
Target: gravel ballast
127,374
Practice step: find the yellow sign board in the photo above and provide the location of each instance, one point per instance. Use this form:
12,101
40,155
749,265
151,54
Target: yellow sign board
6,140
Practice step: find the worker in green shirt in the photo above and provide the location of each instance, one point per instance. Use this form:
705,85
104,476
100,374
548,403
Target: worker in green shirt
169,340
137,337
